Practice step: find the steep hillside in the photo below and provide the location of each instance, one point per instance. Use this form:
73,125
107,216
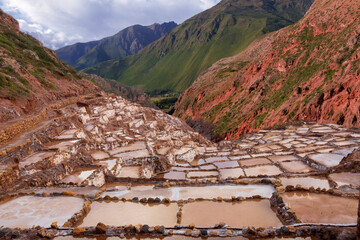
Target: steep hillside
173,62
31,75
126,42
308,71
129,93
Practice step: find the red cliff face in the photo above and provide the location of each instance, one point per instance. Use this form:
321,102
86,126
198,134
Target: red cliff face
309,71
32,76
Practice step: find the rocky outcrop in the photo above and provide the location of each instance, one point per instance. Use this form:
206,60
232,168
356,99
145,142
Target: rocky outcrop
308,71
8,21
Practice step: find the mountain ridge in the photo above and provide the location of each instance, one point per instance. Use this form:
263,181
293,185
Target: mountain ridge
174,61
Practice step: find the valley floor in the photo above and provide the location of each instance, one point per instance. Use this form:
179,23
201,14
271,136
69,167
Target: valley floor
108,167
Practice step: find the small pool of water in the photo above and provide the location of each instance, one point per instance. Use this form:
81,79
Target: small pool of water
296,167
269,170
125,213
231,173
24,212
322,208
254,161
255,213
346,178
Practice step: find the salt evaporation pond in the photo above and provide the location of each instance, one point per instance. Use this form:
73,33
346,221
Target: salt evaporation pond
184,193
255,213
125,213
24,212
322,208
306,182
346,178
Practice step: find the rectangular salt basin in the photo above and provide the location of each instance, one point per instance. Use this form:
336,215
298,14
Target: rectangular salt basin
256,213
306,182
255,161
134,154
346,178
268,170
322,208
296,167
130,147
327,159
231,173
200,174
184,193
99,155
24,212
37,157
226,164
125,213
130,172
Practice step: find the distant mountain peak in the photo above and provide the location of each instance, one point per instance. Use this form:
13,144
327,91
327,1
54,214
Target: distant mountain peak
126,42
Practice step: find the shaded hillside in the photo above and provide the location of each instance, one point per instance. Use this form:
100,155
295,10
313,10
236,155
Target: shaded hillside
31,75
111,86
124,43
71,54
173,62
308,71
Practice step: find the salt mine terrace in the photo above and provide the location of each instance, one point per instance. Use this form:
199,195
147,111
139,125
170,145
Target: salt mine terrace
114,168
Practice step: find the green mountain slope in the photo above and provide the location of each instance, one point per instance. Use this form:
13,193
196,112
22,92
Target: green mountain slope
173,62
124,43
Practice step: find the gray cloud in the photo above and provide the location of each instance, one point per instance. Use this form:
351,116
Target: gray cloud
58,23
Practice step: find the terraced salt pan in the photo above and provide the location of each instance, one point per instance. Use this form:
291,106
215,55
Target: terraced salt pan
283,158
37,157
296,167
327,159
99,155
255,161
322,208
184,193
268,170
78,178
172,175
255,213
231,173
125,213
62,146
346,178
131,147
200,174
226,164
134,154
130,172
24,212
306,182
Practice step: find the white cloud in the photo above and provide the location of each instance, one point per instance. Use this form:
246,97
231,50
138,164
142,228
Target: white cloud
58,23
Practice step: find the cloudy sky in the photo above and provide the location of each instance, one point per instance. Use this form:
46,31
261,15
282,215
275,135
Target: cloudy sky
62,22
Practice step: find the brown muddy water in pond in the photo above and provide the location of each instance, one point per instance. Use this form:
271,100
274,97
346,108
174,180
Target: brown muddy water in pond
130,172
24,212
269,170
296,167
322,208
306,182
255,213
125,213
346,178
